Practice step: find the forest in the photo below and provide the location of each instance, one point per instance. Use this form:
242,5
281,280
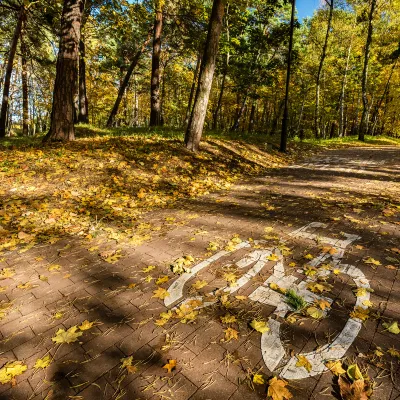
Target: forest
199,65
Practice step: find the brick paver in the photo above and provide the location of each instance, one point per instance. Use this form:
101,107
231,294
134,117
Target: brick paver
355,191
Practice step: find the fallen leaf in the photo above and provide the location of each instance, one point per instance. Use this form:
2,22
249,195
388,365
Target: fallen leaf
322,304
231,334
259,326
69,336
370,260
358,390
335,367
228,319
314,312
258,379
360,313
354,373
160,293
148,269
86,325
10,370
170,366
303,362
392,328
277,389
43,362
162,279
199,285
6,273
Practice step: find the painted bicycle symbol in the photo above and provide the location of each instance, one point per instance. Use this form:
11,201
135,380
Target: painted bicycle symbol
271,345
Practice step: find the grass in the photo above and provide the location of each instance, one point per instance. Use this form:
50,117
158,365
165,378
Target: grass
294,300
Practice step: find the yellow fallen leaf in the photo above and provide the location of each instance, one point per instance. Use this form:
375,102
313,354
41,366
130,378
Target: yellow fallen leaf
277,389
171,365
370,260
86,325
162,279
360,313
160,293
54,267
273,257
258,379
392,328
43,362
10,370
302,361
228,319
259,326
314,312
230,334
6,273
335,367
199,285
69,336
148,269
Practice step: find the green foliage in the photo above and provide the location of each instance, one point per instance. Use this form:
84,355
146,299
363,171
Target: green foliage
294,300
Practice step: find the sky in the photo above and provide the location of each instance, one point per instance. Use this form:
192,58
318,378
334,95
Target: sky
305,8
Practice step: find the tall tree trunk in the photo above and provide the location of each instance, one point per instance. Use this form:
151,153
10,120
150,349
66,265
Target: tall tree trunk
252,115
192,89
197,118
24,79
364,118
125,82
317,128
83,115
285,120
219,103
62,113
221,93
342,94
239,114
155,112
9,68
374,118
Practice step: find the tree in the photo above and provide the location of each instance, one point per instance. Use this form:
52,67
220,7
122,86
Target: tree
155,113
62,114
364,118
196,122
289,65
320,67
24,79
125,83
9,68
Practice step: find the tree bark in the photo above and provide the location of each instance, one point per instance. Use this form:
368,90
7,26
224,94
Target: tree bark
83,115
342,94
24,79
239,114
252,116
155,111
197,118
374,118
285,120
320,67
192,89
219,103
125,82
62,113
364,118
9,68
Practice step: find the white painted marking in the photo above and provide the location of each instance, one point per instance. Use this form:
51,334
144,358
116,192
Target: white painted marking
271,346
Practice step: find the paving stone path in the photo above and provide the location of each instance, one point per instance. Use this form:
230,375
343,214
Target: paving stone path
339,208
